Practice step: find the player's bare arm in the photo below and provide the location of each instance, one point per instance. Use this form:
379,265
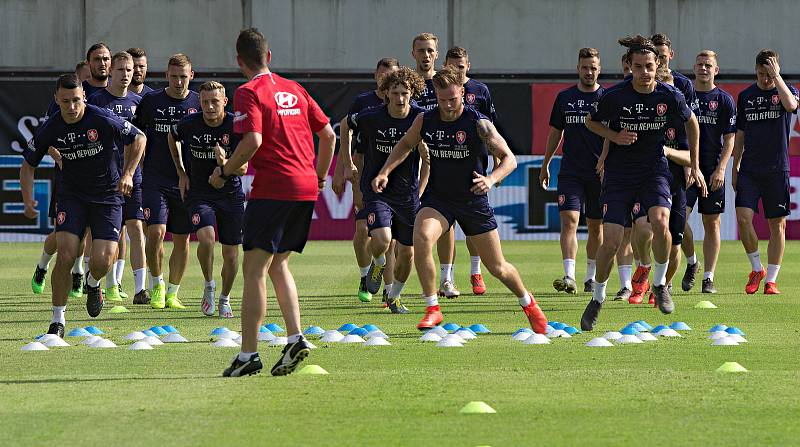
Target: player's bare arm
345,168
693,135
327,144
788,99
425,166
132,155
177,159
26,186
553,140
738,151
600,167
621,138
497,146
718,176
399,153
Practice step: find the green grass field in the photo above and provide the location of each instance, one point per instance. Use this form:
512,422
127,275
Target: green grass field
659,393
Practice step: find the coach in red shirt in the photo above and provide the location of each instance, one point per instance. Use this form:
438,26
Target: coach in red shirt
276,119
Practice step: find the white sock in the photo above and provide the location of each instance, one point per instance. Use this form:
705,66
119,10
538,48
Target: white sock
77,267
245,356
397,287
625,275
772,272
224,299
599,291
111,277
380,261
172,288
432,300
387,288
85,263
569,268
364,271
660,273
451,273
91,281
692,260
708,275
294,338
524,300
58,314
591,268
212,284
44,260
119,268
155,280
445,272
138,279
475,268
755,261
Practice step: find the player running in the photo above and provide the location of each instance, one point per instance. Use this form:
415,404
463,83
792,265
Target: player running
276,119
459,139
90,193
716,114
117,99
761,166
164,209
139,71
636,171
578,182
363,101
207,140
391,211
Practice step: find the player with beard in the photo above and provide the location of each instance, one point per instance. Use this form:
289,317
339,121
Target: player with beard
139,71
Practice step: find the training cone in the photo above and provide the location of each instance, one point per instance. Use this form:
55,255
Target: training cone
174,338
612,335
659,328
279,341
135,336
557,325
35,346
734,330
525,329
646,336
705,305
479,329
334,337
725,341
450,342
548,329
599,342
91,339
149,333
521,336
231,335
94,330
629,330
537,339
118,310
736,337
311,345
668,332
158,330
719,327
140,346
347,327
265,336
152,340
274,328
718,334
731,367
440,331
377,334
638,327
78,332
351,339
377,341
219,331
645,325
225,343
360,331
451,327
314,330
558,333
466,334
370,327
45,337
430,336
55,343
311,370
680,326
170,329
103,344
477,407
571,330
625,339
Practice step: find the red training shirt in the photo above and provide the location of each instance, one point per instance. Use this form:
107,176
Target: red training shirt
286,117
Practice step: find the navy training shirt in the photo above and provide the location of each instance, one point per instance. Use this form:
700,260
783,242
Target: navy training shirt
380,132
647,114
89,151
581,146
123,107
198,141
455,151
685,86
716,114
428,99
363,101
155,116
766,125
476,94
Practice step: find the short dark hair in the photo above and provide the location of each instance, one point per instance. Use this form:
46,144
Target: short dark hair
95,47
80,65
638,44
661,39
764,55
68,81
136,52
585,53
252,47
456,53
387,62
447,76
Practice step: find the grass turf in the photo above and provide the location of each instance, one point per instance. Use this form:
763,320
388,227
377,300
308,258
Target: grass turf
409,393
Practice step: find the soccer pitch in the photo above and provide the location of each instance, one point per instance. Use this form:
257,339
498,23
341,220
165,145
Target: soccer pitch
664,392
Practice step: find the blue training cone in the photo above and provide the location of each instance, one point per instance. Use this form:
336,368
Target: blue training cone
525,329
370,327
274,328
149,333
360,331
479,329
158,330
216,331
629,330
170,329
659,328
451,327
718,327
347,327
557,325
78,332
314,330
680,326
94,330
734,330
571,330
645,324
263,329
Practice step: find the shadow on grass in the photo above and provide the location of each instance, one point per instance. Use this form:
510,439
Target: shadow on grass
105,379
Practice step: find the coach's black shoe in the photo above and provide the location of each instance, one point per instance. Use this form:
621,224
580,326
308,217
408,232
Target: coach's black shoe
94,300
689,276
588,286
623,294
291,356
77,282
374,277
708,286
56,328
239,368
590,314
663,296
143,297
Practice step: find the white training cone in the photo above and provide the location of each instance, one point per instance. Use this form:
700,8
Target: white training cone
521,336
311,345
34,346
717,335
612,335
351,339
230,335
629,339
537,339
450,342
225,343
378,334
44,338
599,342
90,340
279,341
265,336
103,344
559,333
152,340
454,337
377,341
56,342
668,332
174,338
333,337
735,337
440,331
727,341
465,334
140,346
135,336
430,336
646,336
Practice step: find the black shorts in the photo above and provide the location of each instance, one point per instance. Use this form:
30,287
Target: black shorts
474,216
772,188
276,226
580,194
400,219
227,214
164,206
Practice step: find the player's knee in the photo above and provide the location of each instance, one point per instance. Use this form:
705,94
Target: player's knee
498,269
710,221
156,232
777,225
744,219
